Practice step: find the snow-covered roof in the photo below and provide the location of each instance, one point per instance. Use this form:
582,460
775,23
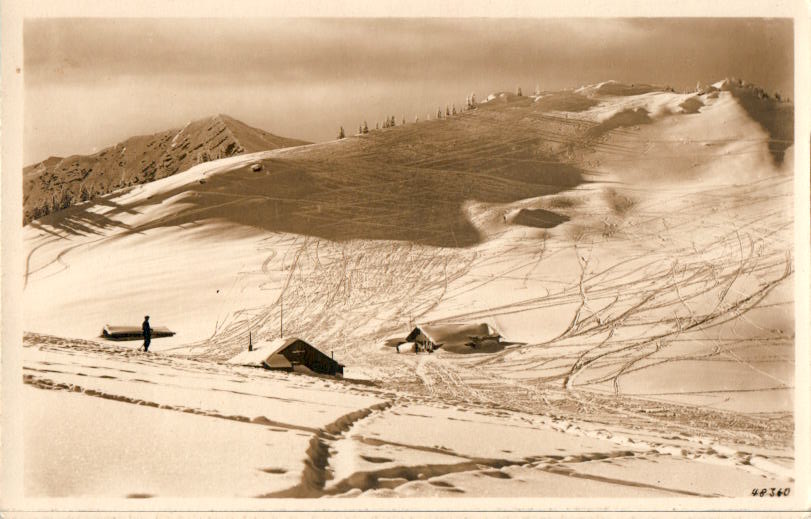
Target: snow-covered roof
252,358
125,331
261,351
452,333
277,345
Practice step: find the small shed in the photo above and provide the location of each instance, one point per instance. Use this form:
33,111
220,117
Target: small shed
289,355
132,333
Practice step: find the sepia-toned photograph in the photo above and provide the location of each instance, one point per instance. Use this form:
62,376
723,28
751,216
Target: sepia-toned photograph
402,258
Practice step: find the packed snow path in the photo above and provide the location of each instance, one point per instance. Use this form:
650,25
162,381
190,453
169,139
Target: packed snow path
137,415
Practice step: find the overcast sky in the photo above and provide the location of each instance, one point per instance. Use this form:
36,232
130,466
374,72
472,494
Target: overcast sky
90,83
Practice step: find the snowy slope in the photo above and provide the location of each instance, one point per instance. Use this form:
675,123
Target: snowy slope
139,160
636,253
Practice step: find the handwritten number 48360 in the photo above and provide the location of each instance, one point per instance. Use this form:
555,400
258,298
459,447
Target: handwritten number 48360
771,492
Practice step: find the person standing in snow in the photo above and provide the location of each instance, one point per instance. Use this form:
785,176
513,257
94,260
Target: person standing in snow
147,333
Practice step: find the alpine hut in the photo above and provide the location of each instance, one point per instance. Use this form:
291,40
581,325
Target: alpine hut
457,338
290,354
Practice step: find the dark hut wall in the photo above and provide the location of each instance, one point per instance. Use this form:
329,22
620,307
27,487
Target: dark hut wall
299,352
